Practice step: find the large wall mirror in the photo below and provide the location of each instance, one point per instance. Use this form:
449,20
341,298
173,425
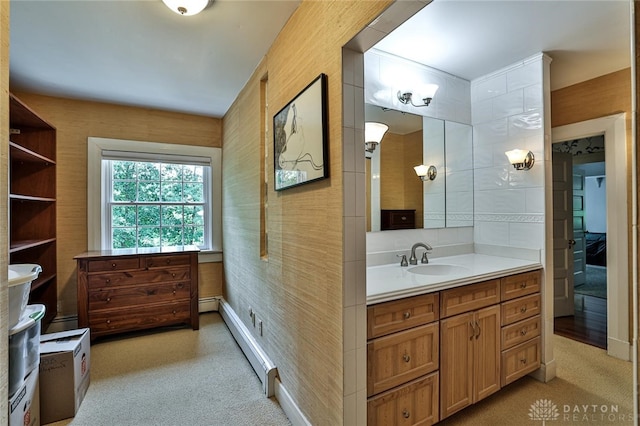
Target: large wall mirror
396,197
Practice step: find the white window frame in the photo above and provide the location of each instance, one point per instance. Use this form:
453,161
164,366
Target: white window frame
95,188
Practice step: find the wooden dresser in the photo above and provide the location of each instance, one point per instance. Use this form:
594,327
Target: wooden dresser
128,289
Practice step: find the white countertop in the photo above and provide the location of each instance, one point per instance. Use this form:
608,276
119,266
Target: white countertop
390,282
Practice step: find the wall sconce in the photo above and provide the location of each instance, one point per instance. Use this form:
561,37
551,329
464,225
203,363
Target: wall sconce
426,173
521,159
187,7
428,91
373,134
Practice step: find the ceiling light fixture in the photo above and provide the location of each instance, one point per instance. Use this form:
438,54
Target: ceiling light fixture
429,91
187,7
373,134
521,159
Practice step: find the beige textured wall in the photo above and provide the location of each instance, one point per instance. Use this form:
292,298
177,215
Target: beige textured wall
75,121
602,96
4,235
297,292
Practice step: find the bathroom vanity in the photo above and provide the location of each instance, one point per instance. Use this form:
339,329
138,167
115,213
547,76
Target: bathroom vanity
447,334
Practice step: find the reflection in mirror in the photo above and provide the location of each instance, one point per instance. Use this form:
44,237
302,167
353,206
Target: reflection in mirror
396,197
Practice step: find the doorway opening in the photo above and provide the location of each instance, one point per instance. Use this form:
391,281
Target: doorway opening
585,317
616,252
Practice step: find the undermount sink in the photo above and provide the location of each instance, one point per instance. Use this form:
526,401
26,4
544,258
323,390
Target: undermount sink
437,269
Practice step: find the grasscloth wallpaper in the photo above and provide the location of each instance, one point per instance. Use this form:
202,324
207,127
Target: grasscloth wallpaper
75,121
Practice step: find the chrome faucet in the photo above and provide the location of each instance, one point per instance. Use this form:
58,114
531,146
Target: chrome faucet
413,259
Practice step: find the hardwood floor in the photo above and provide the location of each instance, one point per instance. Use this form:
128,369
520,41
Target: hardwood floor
588,324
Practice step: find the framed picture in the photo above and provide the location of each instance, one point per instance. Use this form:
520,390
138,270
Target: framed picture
300,137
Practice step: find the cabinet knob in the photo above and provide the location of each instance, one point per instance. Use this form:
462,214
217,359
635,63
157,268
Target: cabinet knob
173,275
523,285
407,315
168,261
406,357
174,292
108,321
108,280
523,309
108,299
406,414
113,265
523,331
403,218
523,361
174,312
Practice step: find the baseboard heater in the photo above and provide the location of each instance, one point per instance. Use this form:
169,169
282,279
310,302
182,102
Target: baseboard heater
262,365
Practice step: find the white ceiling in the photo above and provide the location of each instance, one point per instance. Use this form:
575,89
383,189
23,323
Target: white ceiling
140,53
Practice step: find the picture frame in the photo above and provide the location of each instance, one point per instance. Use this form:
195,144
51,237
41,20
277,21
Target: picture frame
300,138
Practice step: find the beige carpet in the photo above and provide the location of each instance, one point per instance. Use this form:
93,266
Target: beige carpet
173,378
591,388
200,378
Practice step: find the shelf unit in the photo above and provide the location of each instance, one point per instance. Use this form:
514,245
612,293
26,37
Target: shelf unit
32,200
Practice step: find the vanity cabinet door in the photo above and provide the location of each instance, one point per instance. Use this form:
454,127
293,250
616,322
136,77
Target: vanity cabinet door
469,358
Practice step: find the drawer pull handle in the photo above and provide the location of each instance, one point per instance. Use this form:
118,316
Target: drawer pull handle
523,331
168,261
113,265
523,309
523,285
523,361
407,315
406,357
406,414
479,330
174,292
174,312
404,218
108,321
173,275
108,299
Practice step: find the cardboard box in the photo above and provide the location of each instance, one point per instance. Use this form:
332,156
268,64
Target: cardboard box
24,405
65,361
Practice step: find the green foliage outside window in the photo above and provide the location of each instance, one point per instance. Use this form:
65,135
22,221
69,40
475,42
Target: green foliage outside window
157,204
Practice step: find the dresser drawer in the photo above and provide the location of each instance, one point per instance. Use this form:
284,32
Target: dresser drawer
138,295
520,360
469,297
389,317
400,357
113,264
519,309
520,331
520,285
167,260
415,403
136,318
116,279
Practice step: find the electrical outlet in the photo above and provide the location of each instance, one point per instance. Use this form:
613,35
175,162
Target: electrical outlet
260,327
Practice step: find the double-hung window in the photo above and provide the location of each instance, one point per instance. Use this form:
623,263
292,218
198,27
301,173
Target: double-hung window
153,195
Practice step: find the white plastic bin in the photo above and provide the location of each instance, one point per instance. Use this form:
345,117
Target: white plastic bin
24,346
20,278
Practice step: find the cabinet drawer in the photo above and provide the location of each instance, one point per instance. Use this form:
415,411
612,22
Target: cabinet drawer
115,264
400,357
415,403
138,295
469,297
397,315
519,309
520,360
115,279
167,260
520,285
521,331
108,321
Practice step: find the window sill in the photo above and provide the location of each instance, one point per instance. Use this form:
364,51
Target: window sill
209,256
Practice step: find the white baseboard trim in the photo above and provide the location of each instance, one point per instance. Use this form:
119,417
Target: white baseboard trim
262,365
619,349
289,406
208,304
546,372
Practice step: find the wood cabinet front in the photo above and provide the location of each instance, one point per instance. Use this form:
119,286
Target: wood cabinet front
415,404
127,292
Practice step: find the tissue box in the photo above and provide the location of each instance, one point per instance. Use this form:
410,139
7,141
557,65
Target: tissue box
65,360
